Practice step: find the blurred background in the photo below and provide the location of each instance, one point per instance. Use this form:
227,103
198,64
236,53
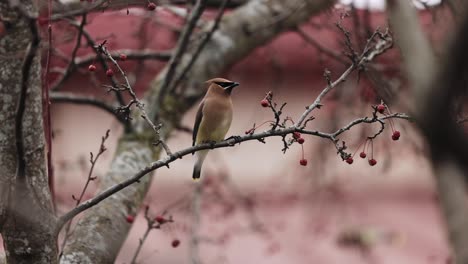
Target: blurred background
259,205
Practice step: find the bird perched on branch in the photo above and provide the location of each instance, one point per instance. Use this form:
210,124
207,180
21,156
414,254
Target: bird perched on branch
213,118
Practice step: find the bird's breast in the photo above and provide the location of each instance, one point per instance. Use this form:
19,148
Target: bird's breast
217,118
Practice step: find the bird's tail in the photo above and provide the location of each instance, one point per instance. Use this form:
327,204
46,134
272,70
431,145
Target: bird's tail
201,155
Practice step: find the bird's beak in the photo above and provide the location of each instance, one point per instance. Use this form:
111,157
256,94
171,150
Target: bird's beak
233,84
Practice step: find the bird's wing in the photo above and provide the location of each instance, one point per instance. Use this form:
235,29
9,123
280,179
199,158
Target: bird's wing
198,120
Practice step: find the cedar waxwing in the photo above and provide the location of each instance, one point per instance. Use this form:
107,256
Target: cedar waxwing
213,118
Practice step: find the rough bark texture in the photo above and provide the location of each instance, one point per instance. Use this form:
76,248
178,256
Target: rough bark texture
240,32
26,214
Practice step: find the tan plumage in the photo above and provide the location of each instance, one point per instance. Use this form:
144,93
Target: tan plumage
214,117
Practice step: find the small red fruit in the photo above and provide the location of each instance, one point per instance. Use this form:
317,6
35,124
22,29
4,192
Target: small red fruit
264,103
151,6
372,162
123,57
363,155
296,135
381,108
175,243
130,219
110,73
92,67
303,162
349,160
160,219
396,135
300,140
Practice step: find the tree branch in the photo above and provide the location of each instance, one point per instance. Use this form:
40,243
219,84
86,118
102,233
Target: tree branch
65,97
164,162
231,42
181,46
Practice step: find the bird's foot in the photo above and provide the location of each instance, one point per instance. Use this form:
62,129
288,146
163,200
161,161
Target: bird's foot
236,139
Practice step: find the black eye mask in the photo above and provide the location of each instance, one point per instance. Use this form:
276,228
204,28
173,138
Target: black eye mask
224,84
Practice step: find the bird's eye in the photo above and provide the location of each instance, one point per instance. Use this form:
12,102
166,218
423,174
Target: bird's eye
224,84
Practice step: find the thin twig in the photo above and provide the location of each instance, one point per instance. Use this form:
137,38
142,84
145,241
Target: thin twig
71,65
145,54
188,151
103,62
128,87
93,160
329,52
200,47
181,46
152,223
65,97
385,42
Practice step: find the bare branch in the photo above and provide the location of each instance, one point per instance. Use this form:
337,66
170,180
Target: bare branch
93,44
329,52
222,144
93,160
384,42
131,55
71,65
64,97
181,46
202,44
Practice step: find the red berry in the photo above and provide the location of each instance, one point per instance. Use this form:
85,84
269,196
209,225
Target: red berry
349,160
123,57
110,73
296,135
362,155
92,67
151,6
396,135
264,103
303,162
130,219
381,108
160,219
300,140
175,243
372,162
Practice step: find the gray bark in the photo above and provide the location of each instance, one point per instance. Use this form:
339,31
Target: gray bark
27,219
240,32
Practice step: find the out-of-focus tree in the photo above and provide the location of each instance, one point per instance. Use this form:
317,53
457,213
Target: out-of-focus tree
28,223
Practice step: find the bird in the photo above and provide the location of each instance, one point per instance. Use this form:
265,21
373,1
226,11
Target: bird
213,119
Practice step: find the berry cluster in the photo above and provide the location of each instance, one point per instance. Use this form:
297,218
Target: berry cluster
109,72
382,108
299,139
369,143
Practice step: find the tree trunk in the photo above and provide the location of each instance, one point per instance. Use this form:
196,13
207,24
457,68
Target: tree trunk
27,218
239,33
